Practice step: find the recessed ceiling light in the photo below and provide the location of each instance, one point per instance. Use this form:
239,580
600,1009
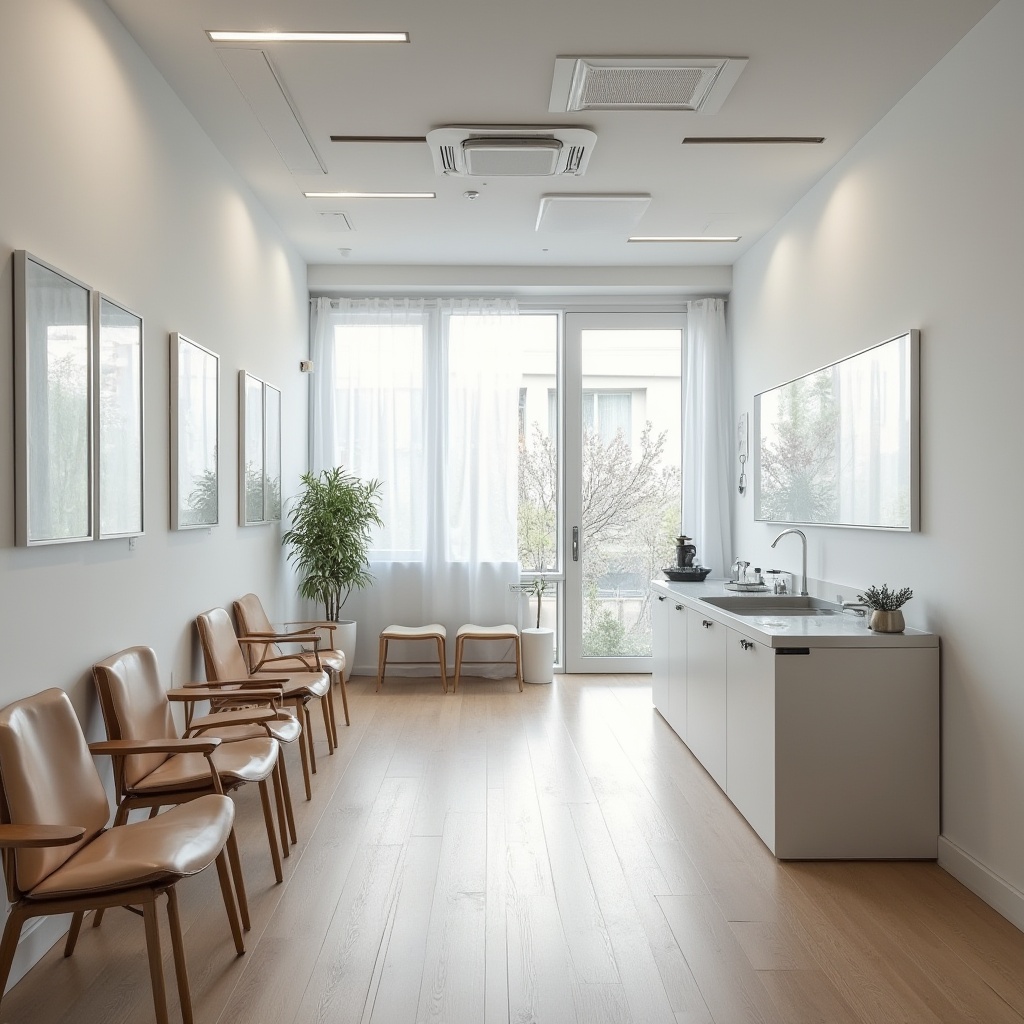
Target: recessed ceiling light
218,36
370,195
684,238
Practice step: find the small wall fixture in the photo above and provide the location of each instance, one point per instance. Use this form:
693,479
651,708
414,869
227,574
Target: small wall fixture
685,238
370,195
223,36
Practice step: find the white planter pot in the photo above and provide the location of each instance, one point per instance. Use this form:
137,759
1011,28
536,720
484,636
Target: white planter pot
538,655
345,641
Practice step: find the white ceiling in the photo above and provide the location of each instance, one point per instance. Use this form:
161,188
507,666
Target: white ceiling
815,68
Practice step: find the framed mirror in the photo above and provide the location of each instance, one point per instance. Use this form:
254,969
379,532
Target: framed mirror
53,401
839,446
120,478
259,457
195,424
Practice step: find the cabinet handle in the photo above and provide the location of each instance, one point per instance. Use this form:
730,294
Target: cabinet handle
707,623
661,597
679,607
746,644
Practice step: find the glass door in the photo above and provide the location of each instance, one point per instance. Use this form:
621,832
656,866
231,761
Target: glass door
623,417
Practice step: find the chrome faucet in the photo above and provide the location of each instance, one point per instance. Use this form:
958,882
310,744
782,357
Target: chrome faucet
803,562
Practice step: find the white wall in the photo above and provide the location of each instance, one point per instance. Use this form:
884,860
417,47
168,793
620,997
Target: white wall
921,225
104,174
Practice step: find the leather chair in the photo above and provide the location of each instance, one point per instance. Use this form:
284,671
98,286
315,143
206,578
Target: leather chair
253,623
135,708
224,660
60,858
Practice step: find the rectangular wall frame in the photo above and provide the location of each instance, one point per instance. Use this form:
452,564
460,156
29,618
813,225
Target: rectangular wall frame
259,451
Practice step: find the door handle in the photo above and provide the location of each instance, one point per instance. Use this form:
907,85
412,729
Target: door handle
575,543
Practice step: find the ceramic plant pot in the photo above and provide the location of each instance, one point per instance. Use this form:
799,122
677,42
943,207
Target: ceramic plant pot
345,641
887,622
538,646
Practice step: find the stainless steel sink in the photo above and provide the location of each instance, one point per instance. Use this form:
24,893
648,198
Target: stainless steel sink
760,606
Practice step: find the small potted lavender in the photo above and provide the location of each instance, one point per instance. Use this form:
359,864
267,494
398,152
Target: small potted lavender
885,605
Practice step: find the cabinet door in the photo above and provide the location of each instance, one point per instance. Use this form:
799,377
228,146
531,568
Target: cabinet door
659,651
751,712
705,693
677,616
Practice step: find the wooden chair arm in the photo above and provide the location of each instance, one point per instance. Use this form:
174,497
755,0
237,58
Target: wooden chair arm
194,693
248,681
35,836
118,748
331,627
292,638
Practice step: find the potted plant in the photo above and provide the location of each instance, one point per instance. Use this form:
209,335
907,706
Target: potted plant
538,643
885,605
329,544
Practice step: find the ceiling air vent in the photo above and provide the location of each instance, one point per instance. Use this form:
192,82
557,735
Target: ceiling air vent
514,151
698,84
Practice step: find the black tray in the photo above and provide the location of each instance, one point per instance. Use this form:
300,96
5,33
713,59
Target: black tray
696,574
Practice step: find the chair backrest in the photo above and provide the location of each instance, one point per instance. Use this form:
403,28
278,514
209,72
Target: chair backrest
134,706
222,653
48,778
251,618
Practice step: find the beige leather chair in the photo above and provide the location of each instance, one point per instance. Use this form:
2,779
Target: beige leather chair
60,858
225,662
253,623
135,708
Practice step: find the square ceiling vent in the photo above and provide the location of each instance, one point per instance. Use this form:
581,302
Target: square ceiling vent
698,84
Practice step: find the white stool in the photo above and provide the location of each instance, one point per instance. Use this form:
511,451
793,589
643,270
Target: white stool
472,632
434,631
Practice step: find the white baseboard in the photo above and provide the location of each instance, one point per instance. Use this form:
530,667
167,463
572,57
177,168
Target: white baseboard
982,881
36,938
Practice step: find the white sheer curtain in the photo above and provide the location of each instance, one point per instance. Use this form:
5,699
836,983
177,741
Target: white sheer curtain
423,394
707,434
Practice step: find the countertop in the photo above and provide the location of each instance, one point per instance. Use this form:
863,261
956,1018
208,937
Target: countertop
846,630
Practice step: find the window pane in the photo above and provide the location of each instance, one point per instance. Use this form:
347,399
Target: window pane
538,452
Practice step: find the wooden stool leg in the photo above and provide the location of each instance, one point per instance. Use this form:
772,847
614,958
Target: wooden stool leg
458,662
441,657
382,661
519,663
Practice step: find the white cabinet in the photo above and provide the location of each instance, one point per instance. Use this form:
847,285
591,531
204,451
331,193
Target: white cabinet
750,774
678,700
828,751
659,652
706,693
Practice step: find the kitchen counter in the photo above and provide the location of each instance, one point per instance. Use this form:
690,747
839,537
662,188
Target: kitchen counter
845,630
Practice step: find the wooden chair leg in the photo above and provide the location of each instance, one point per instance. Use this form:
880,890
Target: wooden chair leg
308,726
178,952
382,662
228,896
282,818
325,708
442,657
236,875
9,946
268,819
156,967
73,932
288,809
344,696
302,748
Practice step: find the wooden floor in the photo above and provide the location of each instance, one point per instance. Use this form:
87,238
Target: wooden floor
552,856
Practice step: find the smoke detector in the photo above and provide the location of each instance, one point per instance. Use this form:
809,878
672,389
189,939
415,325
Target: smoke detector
514,151
698,84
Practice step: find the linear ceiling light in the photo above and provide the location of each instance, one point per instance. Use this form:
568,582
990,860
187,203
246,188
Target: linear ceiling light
684,238
218,36
370,195
753,140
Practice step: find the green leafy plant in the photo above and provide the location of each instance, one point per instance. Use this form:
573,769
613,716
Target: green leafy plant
885,600
330,536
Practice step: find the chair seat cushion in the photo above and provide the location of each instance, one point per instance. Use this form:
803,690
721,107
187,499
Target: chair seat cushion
470,631
246,761
177,843
430,632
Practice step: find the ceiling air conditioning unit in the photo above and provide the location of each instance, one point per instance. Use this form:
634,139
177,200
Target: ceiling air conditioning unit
512,151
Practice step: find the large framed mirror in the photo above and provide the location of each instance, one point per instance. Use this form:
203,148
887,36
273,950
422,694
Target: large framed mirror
53,404
839,446
120,469
259,455
195,427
